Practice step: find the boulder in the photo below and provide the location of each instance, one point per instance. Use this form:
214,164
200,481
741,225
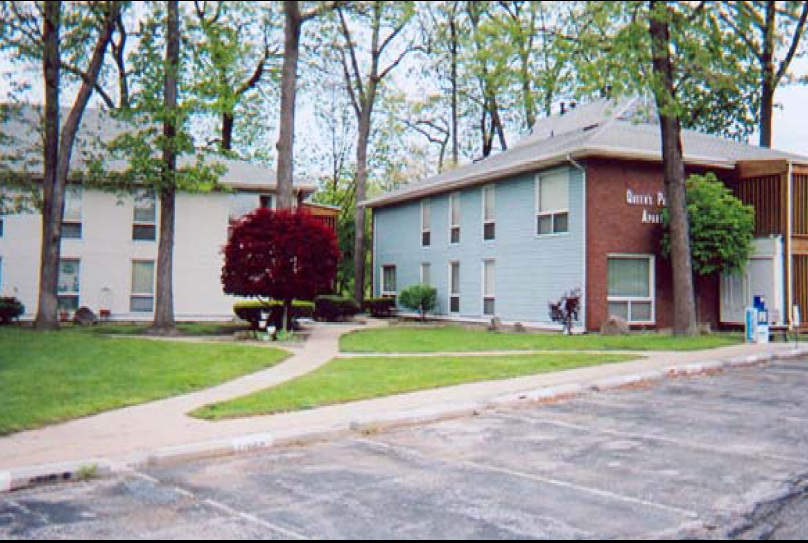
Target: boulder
519,328
614,326
84,316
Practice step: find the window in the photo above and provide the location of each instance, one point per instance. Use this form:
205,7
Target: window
389,288
142,287
71,223
426,223
489,282
426,274
69,287
552,204
266,201
242,204
144,224
454,218
489,214
631,288
454,287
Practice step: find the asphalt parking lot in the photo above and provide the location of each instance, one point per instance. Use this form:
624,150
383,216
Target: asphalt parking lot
708,457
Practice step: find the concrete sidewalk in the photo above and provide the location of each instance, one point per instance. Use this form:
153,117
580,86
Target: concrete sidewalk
133,435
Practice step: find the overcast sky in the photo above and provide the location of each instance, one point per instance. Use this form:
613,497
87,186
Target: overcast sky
790,117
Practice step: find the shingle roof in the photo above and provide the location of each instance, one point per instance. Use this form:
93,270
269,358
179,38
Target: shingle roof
624,128
98,127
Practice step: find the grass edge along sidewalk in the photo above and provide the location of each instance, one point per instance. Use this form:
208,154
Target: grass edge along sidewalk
345,380
52,377
454,339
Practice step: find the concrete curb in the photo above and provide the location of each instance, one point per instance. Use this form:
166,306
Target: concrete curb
54,473
253,443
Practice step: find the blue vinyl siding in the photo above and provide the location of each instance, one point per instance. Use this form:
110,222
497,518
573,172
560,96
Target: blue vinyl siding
530,270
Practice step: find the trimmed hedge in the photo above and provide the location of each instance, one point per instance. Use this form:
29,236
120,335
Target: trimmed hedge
11,309
380,307
253,310
421,298
335,308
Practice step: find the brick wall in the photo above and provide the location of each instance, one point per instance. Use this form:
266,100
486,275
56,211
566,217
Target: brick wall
615,227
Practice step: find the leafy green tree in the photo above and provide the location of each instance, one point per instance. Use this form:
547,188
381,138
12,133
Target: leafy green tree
421,298
231,44
157,146
366,71
64,38
773,35
722,227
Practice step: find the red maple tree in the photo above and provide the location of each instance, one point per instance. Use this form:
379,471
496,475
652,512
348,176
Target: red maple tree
280,255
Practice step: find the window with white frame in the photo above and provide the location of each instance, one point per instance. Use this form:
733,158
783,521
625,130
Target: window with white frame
489,288
142,300
71,222
426,223
631,288
454,218
426,274
552,204
389,285
489,214
454,287
144,223
69,287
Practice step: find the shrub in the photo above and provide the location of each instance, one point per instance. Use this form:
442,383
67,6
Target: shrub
334,308
252,311
380,307
11,309
421,298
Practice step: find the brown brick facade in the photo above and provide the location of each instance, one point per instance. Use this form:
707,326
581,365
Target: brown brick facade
616,227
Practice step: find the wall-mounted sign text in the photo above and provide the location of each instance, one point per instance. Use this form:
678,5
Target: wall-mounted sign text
648,200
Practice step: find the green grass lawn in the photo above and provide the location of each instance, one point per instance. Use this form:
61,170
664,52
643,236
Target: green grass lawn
408,339
353,379
52,377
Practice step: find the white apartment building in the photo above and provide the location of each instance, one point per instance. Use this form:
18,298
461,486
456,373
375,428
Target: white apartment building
109,246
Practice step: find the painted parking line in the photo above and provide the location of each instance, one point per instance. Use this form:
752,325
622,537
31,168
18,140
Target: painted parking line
649,437
412,453
226,509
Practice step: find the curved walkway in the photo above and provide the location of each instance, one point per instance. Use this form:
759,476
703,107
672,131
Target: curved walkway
129,434
162,423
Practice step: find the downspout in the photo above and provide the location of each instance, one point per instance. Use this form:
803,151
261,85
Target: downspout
584,298
789,244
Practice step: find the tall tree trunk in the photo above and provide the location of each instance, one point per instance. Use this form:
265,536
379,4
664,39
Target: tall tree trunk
684,307
164,304
360,243
286,139
53,195
454,47
768,83
228,121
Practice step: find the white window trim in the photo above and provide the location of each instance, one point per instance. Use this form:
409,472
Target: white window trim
630,300
454,294
143,295
452,226
385,293
72,294
153,223
493,296
424,230
493,221
552,214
